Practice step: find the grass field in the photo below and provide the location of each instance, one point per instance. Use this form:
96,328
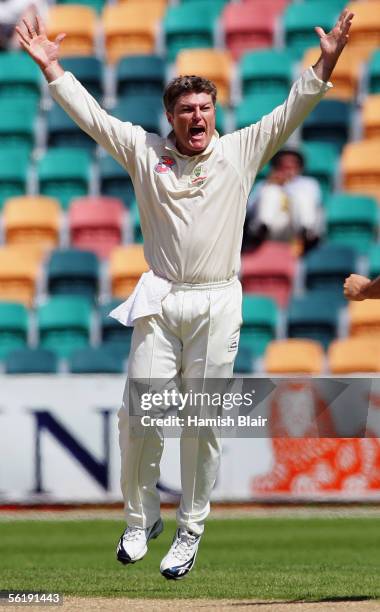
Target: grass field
274,558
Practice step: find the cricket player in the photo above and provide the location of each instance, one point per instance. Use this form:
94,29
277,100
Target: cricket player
192,189
358,288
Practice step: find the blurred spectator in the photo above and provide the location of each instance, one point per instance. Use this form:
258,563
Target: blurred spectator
11,13
286,206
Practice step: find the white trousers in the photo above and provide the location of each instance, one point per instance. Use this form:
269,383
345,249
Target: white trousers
196,337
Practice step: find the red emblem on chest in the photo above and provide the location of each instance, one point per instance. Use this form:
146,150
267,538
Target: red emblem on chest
164,165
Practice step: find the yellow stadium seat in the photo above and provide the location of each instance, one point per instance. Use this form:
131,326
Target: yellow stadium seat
31,220
364,317
213,64
127,263
131,27
19,268
371,116
346,72
365,29
351,355
360,167
294,356
78,22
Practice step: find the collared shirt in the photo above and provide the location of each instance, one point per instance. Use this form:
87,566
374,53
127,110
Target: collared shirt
192,208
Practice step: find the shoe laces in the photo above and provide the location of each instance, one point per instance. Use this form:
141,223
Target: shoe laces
184,542
131,534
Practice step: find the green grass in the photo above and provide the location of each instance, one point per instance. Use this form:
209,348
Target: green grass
290,559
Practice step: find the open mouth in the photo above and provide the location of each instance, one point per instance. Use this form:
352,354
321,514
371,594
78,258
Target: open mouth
197,131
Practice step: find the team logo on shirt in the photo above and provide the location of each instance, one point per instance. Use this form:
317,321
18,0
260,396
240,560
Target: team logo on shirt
164,165
198,176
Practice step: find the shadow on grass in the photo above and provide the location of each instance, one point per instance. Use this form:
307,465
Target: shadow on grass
303,601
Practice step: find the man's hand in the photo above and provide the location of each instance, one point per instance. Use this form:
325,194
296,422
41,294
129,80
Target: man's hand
332,45
354,287
44,52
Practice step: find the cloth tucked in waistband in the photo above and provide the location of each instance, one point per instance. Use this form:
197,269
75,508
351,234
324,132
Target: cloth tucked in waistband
145,300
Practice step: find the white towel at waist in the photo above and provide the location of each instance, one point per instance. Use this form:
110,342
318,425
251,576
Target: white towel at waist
145,300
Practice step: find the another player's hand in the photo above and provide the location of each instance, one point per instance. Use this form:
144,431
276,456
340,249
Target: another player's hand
333,43
33,38
354,286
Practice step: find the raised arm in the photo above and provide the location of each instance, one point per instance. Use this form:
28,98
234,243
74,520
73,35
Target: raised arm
332,45
44,52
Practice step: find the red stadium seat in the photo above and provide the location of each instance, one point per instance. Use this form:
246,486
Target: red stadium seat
96,224
269,271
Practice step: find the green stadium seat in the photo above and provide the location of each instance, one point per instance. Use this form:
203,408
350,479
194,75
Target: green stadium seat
328,122
244,360
220,120
266,71
13,173
314,315
352,220
136,225
13,327
92,360
327,266
140,74
63,132
73,272
260,315
31,361
115,336
299,21
20,78
115,180
373,69
144,110
17,124
88,70
190,26
374,260
64,324
64,174
97,5
321,160
252,108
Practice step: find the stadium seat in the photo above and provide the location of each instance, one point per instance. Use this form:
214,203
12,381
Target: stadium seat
127,263
250,25
213,64
220,120
328,122
17,125
32,219
186,27
96,224
352,220
353,355
88,70
136,225
321,161
313,315
346,73
365,29
73,272
252,108
64,324
114,336
327,266
131,28
92,360
373,68
115,181
294,356
97,5
144,110
19,268
63,132
244,360
31,361
20,78
266,71
13,173
78,22
64,174
360,167
269,271
364,318
299,21
374,260
260,317
371,117
140,74
13,327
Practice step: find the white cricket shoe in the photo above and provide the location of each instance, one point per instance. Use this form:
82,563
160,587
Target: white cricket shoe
181,556
132,545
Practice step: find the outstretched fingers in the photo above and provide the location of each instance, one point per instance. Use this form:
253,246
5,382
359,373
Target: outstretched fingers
29,27
40,28
23,39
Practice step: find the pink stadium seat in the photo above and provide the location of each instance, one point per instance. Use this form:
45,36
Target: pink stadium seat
96,224
269,271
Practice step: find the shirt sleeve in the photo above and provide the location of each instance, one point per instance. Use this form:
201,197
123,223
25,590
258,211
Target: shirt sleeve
117,137
257,143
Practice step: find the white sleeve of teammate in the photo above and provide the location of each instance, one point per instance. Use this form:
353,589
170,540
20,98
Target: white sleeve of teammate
115,136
